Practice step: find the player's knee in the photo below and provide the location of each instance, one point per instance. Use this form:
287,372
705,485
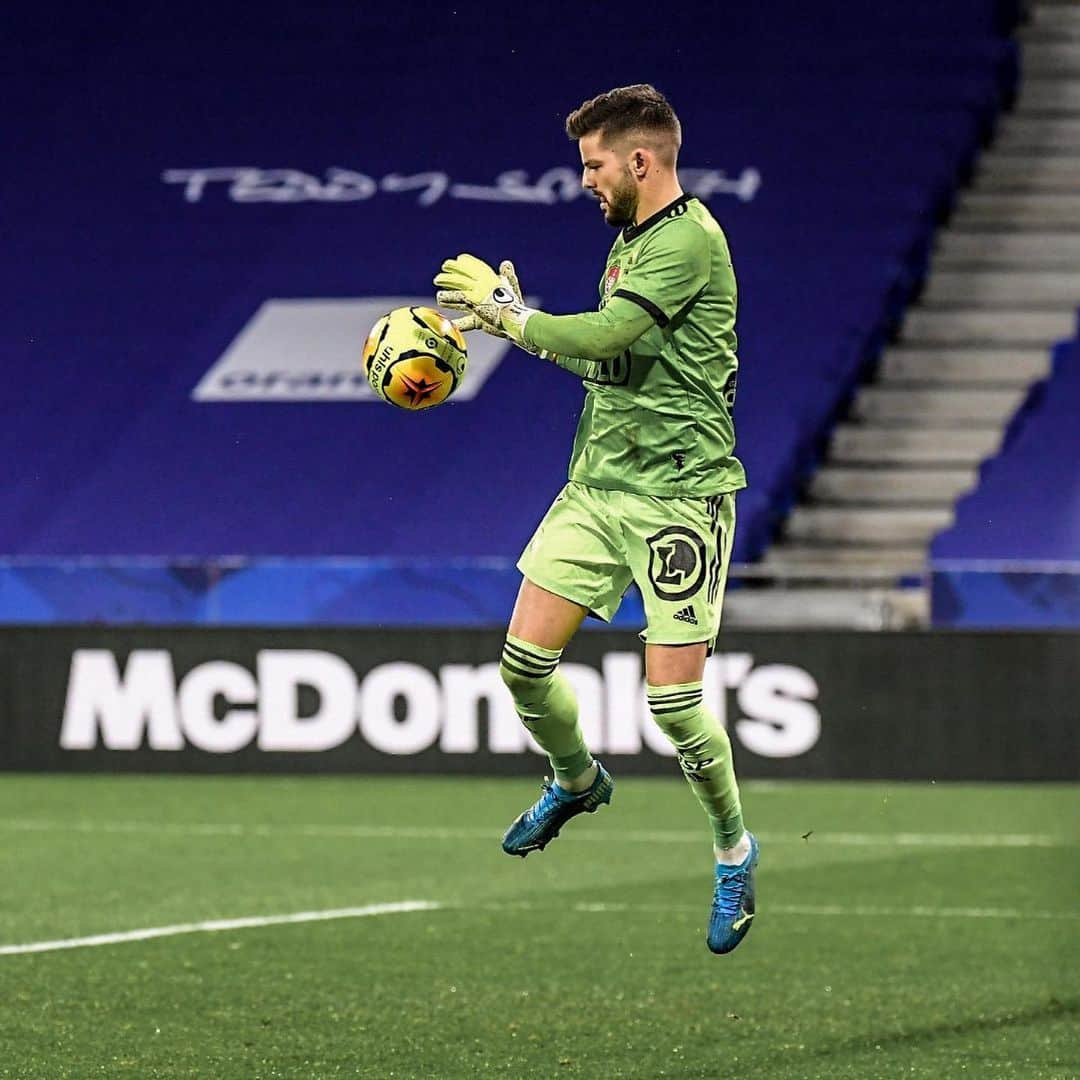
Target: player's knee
520,686
677,711
698,738
683,733
527,672
680,714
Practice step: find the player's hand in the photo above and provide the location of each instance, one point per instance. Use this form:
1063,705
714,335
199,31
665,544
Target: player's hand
473,322
455,300
493,300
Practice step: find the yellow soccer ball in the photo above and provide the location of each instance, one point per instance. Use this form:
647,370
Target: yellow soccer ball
414,358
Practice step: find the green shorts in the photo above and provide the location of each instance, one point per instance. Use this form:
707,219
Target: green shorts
593,543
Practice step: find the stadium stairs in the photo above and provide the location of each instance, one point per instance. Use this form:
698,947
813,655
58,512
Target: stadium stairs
1003,286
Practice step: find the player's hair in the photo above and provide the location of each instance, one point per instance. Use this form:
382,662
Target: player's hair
625,110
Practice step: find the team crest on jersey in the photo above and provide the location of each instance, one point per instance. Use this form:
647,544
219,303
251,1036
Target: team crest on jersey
611,280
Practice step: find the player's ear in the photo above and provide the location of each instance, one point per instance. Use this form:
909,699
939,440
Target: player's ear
640,160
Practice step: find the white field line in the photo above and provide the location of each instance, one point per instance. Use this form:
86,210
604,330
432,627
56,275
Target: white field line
436,832
217,925
255,922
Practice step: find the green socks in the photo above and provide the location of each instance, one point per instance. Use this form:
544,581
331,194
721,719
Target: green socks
704,754
546,704
547,707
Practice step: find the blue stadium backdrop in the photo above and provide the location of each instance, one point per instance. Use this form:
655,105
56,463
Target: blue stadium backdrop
208,211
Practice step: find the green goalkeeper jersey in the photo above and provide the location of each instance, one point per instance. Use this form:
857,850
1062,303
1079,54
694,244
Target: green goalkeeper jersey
657,418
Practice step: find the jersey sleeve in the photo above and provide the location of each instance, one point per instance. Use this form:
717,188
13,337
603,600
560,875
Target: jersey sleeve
590,335
672,269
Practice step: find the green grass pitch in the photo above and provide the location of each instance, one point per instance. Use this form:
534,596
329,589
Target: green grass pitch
916,930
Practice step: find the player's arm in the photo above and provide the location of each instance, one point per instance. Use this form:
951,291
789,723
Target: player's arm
496,305
590,336
671,271
579,343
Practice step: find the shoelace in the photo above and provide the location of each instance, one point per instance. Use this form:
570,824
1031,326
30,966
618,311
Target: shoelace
728,897
548,800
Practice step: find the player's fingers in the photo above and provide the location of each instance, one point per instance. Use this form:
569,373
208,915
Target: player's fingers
506,268
473,273
492,329
453,299
452,268
467,323
471,264
448,281
461,274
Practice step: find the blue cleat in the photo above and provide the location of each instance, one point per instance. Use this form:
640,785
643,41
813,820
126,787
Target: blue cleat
733,902
540,824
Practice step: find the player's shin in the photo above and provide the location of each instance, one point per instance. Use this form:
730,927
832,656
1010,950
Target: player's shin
546,704
704,754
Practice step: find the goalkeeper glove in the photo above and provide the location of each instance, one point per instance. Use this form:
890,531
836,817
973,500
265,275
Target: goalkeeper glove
493,299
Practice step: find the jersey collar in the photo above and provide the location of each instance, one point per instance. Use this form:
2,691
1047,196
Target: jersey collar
632,232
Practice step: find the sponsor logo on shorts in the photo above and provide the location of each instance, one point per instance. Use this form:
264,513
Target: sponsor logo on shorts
686,615
676,562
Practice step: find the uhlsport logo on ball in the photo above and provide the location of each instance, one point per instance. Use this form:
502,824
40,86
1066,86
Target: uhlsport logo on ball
414,358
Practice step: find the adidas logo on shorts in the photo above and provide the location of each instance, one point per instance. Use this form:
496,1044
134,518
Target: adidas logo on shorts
686,615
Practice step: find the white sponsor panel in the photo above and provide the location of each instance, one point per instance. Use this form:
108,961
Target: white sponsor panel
308,701
309,350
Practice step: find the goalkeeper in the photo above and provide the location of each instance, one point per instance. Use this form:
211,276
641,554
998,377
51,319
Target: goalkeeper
651,492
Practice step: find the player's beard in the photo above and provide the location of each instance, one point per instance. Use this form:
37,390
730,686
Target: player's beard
622,206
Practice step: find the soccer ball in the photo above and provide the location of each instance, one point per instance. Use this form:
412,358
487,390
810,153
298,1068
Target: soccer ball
414,358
